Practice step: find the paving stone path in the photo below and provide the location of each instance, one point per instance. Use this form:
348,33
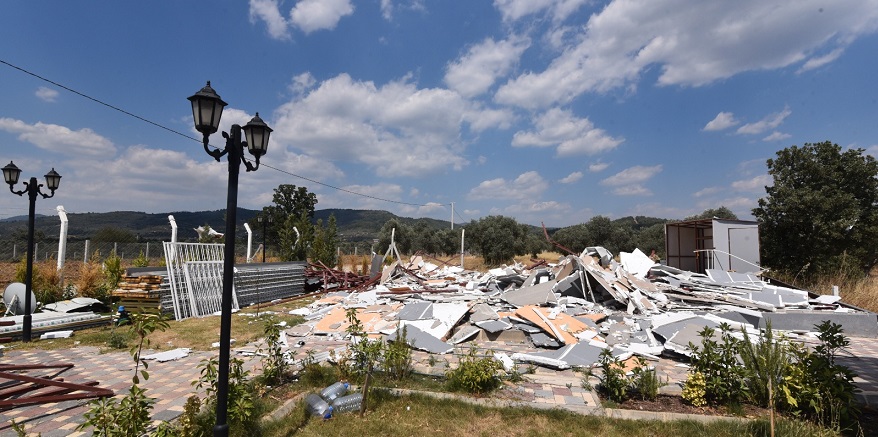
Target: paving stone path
170,382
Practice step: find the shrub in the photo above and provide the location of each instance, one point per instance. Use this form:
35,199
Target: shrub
397,361
613,381
645,381
91,279
765,364
475,374
695,389
818,388
717,362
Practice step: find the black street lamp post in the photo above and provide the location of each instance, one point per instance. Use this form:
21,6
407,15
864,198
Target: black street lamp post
11,174
264,220
207,108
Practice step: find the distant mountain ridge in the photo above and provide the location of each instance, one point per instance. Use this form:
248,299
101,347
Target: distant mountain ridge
353,224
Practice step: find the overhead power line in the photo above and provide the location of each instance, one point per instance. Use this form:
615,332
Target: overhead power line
159,125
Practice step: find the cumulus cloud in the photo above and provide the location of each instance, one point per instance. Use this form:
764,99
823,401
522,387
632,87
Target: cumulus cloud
757,183
690,44
313,15
629,182
571,178
528,185
771,121
397,129
269,12
723,120
46,94
513,10
572,135
776,136
307,15
706,192
477,70
60,139
596,167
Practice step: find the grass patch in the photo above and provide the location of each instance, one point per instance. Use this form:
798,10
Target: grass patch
425,416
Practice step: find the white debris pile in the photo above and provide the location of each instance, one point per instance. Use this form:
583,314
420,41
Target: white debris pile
566,313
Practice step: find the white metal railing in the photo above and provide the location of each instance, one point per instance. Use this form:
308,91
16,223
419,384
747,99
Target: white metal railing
712,257
195,273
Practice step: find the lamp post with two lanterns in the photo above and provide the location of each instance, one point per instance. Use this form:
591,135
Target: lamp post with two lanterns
207,108
11,173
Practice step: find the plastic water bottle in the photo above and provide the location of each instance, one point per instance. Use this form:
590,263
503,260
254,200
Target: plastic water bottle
332,392
348,403
317,406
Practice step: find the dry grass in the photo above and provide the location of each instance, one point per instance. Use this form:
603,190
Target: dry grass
860,292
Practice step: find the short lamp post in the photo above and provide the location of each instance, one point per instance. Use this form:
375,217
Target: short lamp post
207,108
11,173
264,221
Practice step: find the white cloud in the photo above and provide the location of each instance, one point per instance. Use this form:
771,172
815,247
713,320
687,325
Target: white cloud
481,119
771,121
723,120
269,12
596,167
302,83
822,60
691,44
512,10
430,208
630,175
706,192
46,94
757,183
571,178
776,136
396,129
529,185
573,136
313,15
387,9
477,70
632,190
60,139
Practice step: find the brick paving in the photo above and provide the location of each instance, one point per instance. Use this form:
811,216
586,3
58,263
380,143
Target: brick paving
170,382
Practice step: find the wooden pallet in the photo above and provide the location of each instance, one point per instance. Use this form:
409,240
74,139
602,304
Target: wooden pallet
147,305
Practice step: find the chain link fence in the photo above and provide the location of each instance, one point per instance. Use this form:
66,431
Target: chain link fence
84,250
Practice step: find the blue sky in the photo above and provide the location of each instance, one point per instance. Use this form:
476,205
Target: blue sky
543,110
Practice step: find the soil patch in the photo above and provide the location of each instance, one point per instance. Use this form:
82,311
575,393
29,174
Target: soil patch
675,404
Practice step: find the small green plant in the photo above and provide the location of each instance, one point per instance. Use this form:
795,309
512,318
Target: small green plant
475,374
140,261
613,381
19,429
117,340
397,360
241,398
275,368
130,416
645,381
364,353
431,360
113,271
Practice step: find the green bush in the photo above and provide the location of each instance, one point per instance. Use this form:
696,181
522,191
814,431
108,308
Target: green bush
645,381
717,361
397,363
475,374
275,368
765,363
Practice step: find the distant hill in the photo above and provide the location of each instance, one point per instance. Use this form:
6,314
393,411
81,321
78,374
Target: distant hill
353,225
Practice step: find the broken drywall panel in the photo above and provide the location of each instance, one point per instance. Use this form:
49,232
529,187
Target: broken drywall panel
569,286
680,340
481,312
539,294
300,330
421,340
605,256
636,263
56,334
494,326
667,331
416,310
463,334
171,355
540,339
827,299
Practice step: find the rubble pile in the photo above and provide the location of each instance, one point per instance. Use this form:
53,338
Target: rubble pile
568,312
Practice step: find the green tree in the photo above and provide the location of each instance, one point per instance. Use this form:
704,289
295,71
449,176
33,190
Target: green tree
821,211
402,236
721,213
289,201
598,231
325,242
497,238
294,246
